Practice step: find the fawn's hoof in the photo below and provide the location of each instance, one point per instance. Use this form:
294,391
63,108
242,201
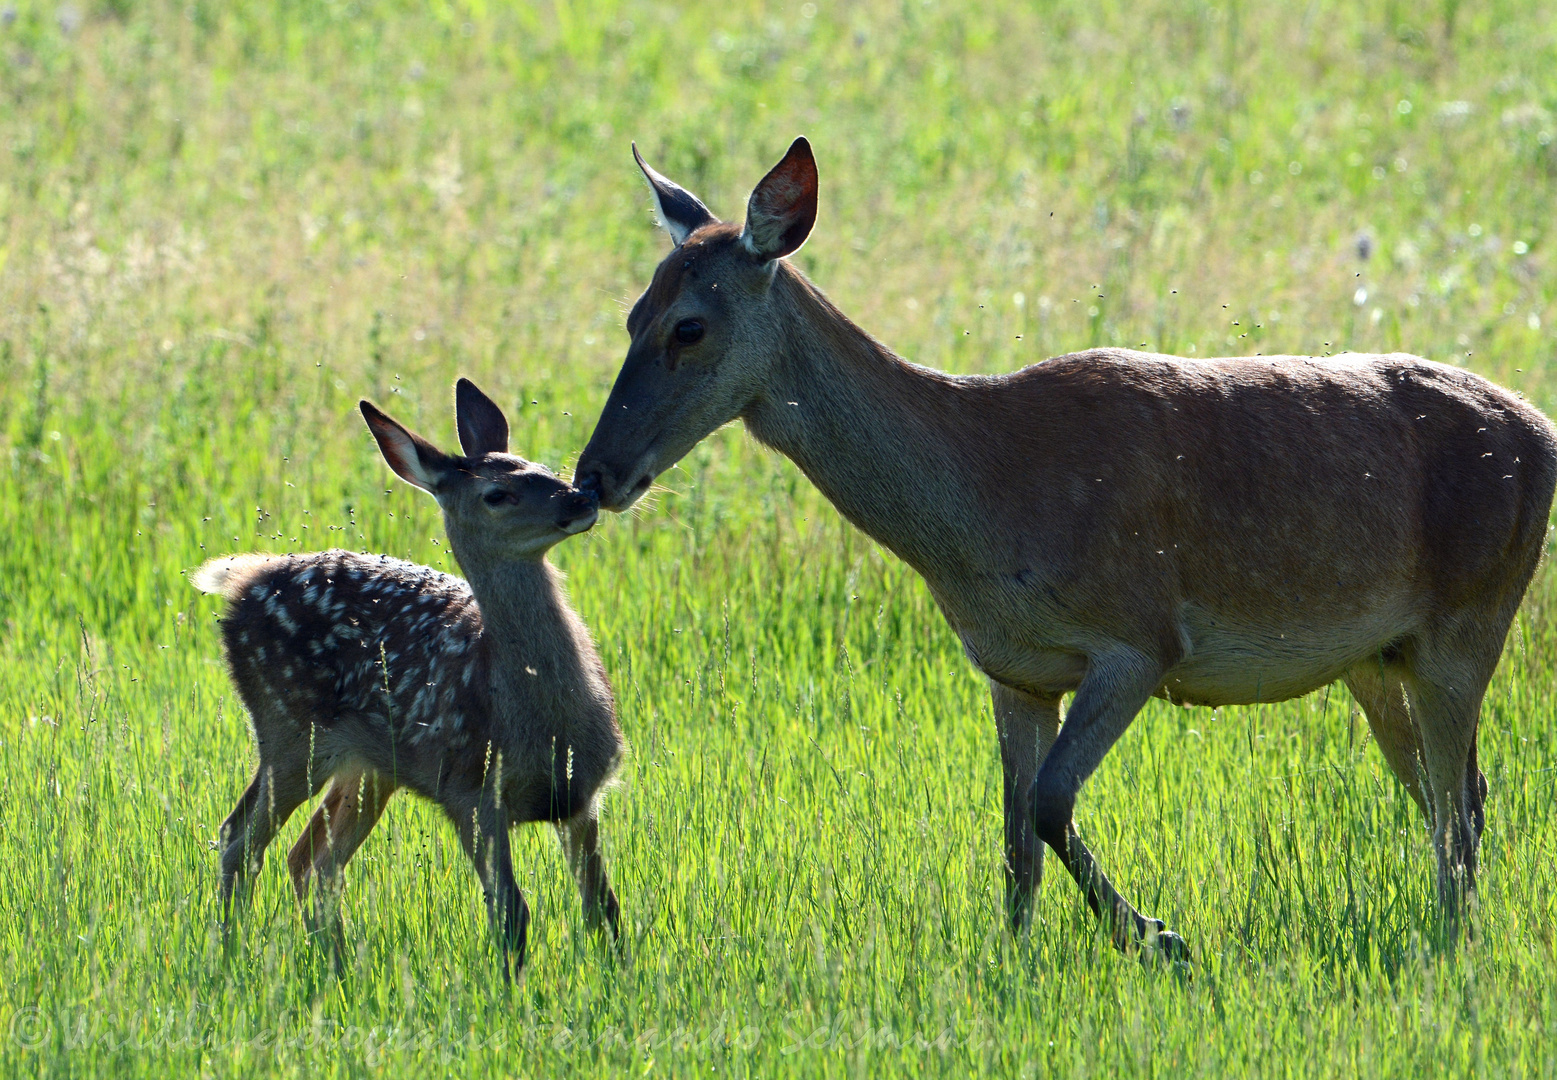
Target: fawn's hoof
605,915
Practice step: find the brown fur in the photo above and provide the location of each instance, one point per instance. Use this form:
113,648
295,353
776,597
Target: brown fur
487,698
1119,524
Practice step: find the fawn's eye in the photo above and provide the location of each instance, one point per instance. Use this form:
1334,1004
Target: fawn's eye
495,497
689,331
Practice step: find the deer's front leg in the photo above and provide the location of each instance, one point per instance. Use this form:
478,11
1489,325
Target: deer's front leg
580,839
484,833
1027,726
1116,685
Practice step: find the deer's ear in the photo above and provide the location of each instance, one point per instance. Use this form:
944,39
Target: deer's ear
483,428
414,459
681,212
782,207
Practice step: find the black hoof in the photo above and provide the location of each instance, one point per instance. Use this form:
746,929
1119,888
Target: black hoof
1020,925
1165,943
606,915
1172,947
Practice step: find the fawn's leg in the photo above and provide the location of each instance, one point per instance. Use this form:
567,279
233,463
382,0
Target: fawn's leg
580,837
278,788
483,829
1027,726
343,821
1116,685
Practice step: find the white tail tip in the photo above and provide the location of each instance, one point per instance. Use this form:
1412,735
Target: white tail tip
227,575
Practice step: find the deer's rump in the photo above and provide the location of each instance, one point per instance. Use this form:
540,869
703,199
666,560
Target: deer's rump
1261,523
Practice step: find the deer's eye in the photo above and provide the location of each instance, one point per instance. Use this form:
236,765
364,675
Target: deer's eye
495,497
689,331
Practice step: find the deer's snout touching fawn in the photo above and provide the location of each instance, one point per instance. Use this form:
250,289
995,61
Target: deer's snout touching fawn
373,674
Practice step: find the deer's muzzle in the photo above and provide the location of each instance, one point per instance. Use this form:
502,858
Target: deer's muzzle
578,512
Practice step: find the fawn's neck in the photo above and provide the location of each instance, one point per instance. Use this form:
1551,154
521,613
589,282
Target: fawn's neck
539,652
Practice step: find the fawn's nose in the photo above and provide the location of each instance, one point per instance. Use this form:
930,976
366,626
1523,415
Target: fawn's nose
578,512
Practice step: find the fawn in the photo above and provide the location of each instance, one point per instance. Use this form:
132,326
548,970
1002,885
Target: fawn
377,674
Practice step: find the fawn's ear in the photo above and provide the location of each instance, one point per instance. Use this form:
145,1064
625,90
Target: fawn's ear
681,212
414,459
483,428
782,207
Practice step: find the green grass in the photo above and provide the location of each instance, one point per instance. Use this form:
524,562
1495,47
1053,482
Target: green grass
221,223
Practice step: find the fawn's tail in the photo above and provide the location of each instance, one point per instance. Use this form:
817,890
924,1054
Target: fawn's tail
228,574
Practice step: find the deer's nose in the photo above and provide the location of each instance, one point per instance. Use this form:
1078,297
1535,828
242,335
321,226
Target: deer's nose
578,512
590,481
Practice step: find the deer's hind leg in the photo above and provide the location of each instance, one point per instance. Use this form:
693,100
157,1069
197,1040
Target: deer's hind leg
1379,685
1446,704
278,788
350,810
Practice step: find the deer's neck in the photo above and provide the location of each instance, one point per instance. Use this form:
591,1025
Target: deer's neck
878,436
534,641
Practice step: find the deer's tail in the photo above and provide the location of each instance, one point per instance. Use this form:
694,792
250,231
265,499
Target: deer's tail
228,574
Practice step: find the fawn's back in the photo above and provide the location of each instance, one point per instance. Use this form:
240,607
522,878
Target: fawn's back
339,639
363,663
387,662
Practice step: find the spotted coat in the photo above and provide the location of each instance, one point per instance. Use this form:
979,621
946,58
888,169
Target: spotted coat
388,643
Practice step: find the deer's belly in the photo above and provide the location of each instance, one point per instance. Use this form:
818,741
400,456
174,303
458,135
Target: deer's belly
1229,667
1223,665
1036,671
1259,680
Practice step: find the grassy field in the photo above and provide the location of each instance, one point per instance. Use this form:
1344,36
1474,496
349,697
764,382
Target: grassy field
222,223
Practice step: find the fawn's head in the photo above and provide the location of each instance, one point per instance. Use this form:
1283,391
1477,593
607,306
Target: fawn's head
704,334
496,506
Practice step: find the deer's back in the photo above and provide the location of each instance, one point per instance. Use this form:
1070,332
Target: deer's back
1303,509
338,637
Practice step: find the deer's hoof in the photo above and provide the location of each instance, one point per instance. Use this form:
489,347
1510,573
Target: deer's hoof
1172,947
606,915
1165,944
1172,953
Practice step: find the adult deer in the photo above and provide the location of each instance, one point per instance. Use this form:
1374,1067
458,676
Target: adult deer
1119,524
